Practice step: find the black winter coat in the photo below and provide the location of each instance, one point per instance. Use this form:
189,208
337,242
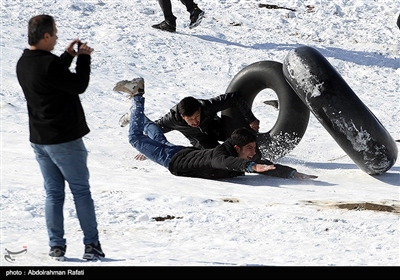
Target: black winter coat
218,163
52,94
210,131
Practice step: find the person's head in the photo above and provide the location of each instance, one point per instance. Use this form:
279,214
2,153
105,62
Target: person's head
189,108
42,32
244,142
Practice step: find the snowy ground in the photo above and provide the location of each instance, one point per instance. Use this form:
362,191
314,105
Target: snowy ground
148,217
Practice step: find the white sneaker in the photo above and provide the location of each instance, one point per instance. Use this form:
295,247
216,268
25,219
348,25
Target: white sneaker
132,88
124,120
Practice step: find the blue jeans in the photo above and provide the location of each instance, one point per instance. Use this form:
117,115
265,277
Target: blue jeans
66,162
147,137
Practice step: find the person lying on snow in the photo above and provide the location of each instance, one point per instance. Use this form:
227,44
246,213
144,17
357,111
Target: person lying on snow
230,159
198,120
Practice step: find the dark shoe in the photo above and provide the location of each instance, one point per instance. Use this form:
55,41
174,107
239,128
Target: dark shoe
57,253
166,26
93,251
195,17
132,88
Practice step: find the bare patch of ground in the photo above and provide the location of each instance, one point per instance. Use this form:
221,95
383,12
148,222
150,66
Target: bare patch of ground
230,200
386,206
168,217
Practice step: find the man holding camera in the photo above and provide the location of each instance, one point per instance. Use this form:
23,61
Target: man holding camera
57,124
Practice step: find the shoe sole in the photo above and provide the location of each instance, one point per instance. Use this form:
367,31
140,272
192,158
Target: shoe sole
120,86
129,87
91,257
171,31
60,259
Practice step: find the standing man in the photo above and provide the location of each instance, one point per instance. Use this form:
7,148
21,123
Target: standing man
169,23
57,124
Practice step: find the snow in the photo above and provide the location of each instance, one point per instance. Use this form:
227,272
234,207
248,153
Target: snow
247,221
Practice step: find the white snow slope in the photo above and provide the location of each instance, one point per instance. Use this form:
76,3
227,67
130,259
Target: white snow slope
247,221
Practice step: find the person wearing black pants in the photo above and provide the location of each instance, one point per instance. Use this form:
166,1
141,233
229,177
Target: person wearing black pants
169,23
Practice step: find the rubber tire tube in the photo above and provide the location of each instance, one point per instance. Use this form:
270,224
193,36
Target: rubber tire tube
398,21
349,121
293,115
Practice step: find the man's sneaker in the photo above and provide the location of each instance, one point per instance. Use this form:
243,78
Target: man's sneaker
132,88
195,17
124,120
57,253
166,26
93,251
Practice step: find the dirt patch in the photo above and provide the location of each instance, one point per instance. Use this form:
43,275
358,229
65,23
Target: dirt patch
230,200
168,217
272,6
367,206
386,206
310,8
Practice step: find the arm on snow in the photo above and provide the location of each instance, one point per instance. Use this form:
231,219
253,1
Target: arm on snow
278,170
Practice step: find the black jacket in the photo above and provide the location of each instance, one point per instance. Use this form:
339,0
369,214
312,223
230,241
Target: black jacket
209,132
218,163
52,94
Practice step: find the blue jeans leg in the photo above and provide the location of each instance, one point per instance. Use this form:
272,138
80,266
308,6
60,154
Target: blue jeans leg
153,145
66,162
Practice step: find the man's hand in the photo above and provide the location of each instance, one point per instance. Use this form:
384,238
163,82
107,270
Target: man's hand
255,125
262,167
140,157
302,176
83,48
70,48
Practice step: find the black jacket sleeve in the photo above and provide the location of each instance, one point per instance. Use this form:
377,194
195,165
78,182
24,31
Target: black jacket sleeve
63,79
168,122
280,170
225,157
227,100
233,163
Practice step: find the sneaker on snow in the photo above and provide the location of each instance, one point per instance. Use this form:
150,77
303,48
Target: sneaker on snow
195,17
166,26
93,251
57,253
132,88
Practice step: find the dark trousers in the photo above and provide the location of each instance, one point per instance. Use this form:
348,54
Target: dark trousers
166,7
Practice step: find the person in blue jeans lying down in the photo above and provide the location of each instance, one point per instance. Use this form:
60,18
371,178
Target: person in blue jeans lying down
232,158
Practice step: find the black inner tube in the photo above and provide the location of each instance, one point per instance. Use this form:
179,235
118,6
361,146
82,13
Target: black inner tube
398,21
349,121
293,115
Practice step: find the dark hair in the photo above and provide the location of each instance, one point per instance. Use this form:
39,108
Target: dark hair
188,106
38,26
243,136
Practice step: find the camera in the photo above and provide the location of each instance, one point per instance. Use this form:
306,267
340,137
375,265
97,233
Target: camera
79,45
